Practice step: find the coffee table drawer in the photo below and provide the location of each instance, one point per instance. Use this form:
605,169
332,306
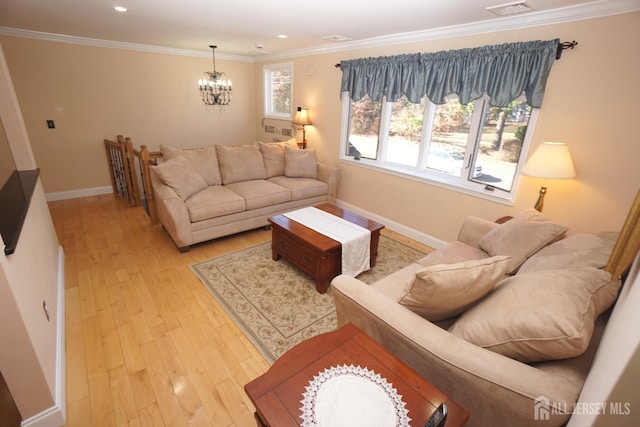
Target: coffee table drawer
301,256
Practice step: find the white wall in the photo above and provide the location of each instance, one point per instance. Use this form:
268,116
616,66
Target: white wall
614,375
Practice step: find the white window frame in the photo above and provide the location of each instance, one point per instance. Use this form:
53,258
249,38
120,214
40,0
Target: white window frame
268,70
422,174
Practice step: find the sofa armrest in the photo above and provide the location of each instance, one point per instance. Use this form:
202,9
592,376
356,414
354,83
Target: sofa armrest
172,212
495,389
331,176
473,228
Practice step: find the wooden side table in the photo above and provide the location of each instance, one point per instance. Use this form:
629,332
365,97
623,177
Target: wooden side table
277,393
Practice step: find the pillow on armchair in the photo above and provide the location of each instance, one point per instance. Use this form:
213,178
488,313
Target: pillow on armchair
521,237
539,316
443,291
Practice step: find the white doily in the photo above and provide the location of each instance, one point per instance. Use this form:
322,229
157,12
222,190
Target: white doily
347,396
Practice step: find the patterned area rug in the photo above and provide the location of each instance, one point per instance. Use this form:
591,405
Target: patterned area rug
275,304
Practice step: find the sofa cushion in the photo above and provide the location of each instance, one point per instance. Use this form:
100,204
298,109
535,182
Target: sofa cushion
260,193
212,202
273,156
445,290
575,251
543,315
302,188
204,160
240,163
521,237
178,174
300,163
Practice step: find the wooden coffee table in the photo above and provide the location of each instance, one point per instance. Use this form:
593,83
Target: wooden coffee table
313,252
277,393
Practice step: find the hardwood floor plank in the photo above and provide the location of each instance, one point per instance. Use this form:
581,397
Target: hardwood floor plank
146,342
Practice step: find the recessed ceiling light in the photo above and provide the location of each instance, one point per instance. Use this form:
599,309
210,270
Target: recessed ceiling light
120,8
510,8
282,36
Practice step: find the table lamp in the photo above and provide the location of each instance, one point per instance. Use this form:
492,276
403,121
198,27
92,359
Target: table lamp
551,160
302,118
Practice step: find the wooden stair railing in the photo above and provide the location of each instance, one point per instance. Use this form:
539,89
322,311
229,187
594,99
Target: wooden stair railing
121,169
146,159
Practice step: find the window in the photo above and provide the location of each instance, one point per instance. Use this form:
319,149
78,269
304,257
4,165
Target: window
278,81
475,148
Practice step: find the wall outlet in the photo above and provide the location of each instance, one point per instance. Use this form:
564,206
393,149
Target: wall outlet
51,124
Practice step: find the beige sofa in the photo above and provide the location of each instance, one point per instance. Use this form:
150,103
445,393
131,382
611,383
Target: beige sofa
210,192
510,338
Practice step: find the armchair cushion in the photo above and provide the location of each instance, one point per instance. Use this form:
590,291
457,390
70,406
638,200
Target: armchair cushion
521,237
179,174
445,290
575,251
544,315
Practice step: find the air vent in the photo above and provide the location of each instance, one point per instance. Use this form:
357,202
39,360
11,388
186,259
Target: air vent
510,8
336,38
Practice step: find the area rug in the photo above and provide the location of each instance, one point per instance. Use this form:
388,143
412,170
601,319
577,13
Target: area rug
275,304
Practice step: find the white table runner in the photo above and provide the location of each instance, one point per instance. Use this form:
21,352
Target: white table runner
355,240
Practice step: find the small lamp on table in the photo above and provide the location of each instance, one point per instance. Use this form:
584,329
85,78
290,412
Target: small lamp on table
302,118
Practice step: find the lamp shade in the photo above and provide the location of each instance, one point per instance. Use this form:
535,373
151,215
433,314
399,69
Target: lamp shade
302,117
550,160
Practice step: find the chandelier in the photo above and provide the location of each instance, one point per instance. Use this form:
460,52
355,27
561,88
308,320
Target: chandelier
215,89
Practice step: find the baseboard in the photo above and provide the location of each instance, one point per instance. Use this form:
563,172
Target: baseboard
57,414
395,226
75,194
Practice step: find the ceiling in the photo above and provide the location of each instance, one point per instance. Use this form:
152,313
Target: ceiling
250,27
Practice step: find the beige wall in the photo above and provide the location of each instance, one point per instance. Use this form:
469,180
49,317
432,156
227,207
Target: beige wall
94,93
590,103
33,346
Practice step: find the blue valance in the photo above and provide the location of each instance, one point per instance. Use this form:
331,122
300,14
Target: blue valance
503,72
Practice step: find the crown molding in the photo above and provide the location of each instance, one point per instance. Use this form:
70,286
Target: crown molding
62,38
592,10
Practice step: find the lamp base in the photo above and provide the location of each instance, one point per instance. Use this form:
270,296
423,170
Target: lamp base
302,144
540,202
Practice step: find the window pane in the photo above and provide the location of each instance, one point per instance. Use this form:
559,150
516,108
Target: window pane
449,136
281,90
503,131
364,128
405,132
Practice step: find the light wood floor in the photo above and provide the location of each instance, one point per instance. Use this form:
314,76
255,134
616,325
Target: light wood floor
146,344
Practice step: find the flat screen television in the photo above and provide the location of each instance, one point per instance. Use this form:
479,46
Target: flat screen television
15,194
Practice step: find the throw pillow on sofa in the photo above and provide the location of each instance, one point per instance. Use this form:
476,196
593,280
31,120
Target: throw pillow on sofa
299,163
442,291
544,315
179,174
240,163
521,237
273,155
204,160
575,251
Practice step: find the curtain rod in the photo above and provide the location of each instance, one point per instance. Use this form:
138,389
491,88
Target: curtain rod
561,46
